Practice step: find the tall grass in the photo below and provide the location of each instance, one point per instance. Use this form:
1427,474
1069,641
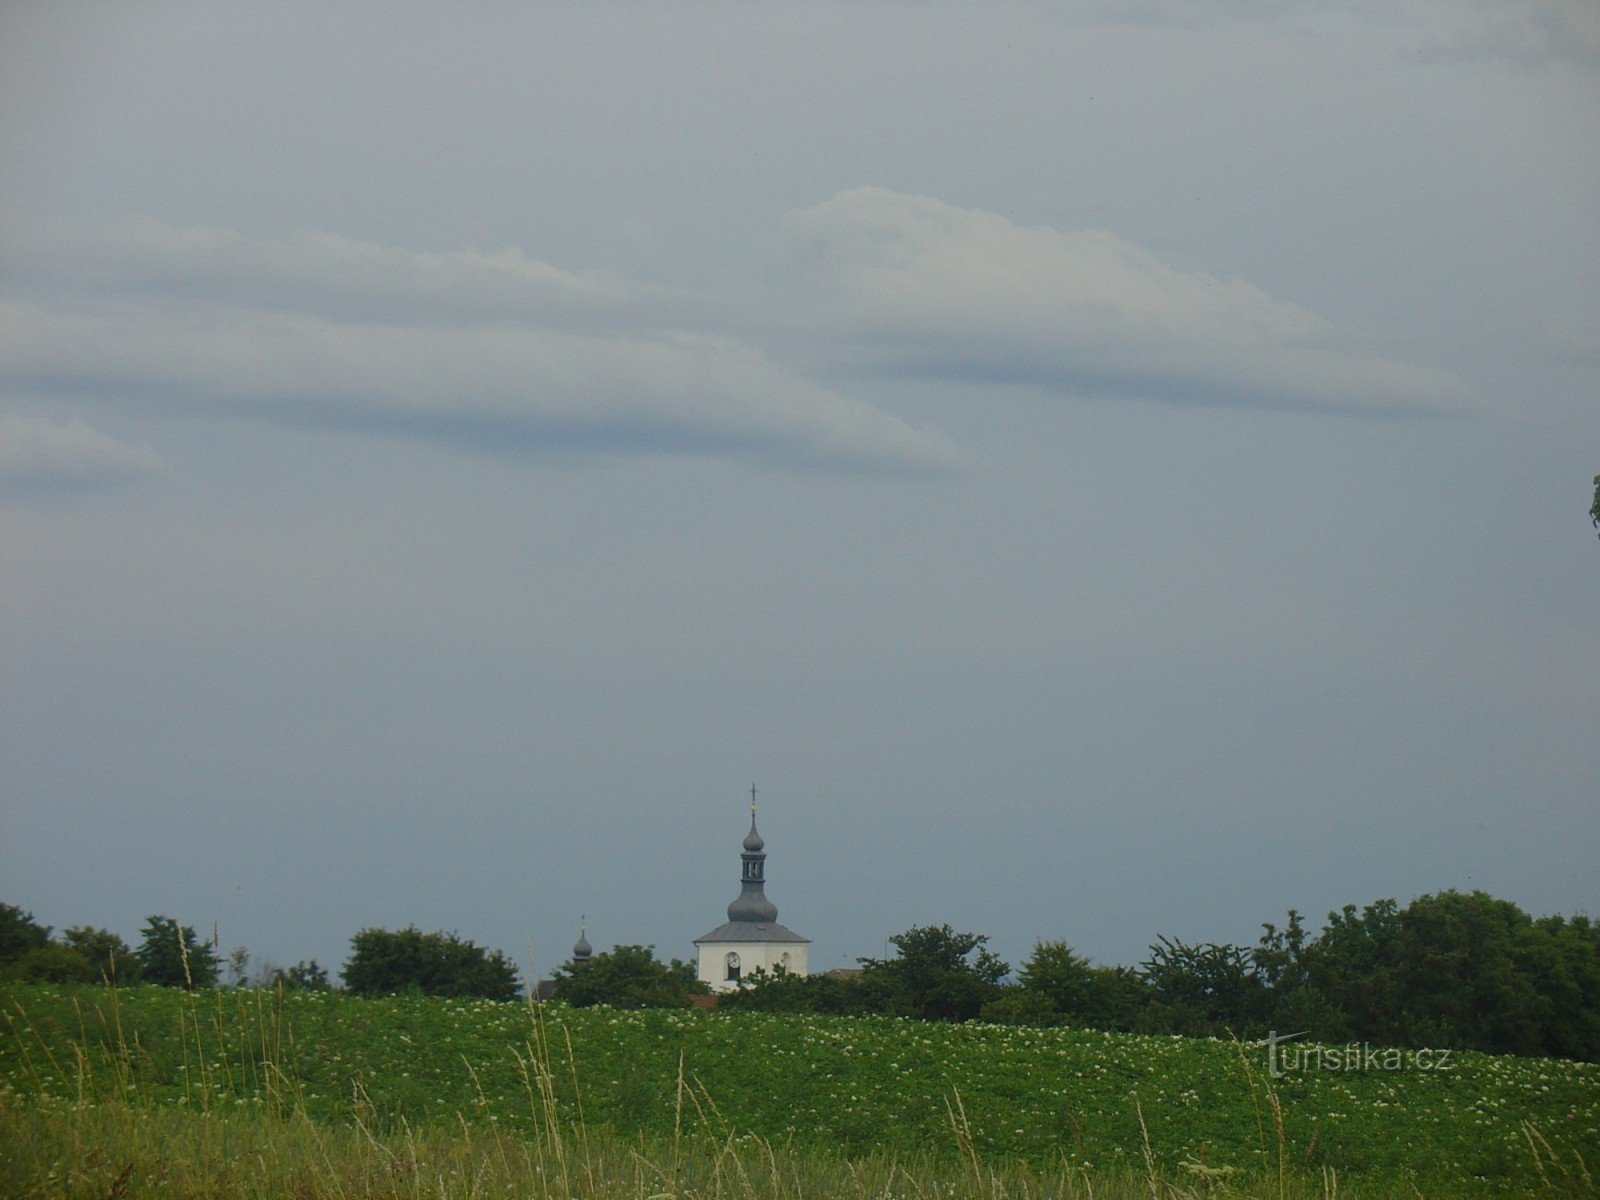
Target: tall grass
122,1150
238,1123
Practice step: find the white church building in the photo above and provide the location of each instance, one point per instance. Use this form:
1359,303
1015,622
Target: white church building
751,939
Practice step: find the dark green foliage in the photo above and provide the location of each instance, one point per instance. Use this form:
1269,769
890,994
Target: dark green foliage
1453,969
1058,976
938,975
831,993
1279,956
50,963
302,977
1117,995
1354,962
384,961
28,952
108,956
1594,511
628,977
171,955
1462,969
1082,994
1450,970
20,933
1018,1006
1564,958
1202,988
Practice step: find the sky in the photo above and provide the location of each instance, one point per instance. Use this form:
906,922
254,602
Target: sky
1101,470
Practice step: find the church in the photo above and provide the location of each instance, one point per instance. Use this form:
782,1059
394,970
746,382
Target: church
751,938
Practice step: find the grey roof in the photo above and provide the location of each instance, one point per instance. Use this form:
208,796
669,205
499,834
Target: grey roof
751,931
751,904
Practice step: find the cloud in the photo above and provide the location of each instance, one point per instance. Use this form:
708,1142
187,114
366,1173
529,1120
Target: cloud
913,286
1533,34
487,354
42,458
323,273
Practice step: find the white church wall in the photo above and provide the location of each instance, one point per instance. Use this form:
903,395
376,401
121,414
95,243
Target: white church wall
771,957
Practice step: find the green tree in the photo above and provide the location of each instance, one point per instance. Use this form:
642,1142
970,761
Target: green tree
305,977
1355,962
1115,999
27,951
834,994
937,975
384,961
50,963
1564,958
170,954
239,967
1462,970
1018,1005
1205,988
108,956
1594,510
1280,955
628,977
1282,960
1059,976
1459,976
20,933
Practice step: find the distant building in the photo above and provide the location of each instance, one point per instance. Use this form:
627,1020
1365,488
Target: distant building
751,939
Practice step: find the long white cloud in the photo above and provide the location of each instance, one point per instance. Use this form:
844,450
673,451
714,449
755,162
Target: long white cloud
913,285
499,354
323,273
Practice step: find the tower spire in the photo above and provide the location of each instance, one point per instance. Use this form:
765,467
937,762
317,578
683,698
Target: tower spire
751,940
582,950
752,904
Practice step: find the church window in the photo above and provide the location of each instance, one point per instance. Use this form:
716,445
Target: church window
732,962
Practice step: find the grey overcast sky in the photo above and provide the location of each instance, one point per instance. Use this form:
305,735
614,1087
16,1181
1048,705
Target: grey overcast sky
1102,470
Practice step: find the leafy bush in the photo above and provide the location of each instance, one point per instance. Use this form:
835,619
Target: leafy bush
385,961
628,977
937,974
19,933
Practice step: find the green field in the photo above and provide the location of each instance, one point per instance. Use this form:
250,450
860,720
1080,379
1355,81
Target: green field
963,1103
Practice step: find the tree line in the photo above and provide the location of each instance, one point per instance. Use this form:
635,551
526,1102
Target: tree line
1452,969
169,954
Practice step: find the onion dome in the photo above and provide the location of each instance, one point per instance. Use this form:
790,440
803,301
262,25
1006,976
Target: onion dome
752,904
582,950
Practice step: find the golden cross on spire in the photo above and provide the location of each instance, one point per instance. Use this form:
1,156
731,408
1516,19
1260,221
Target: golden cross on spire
752,799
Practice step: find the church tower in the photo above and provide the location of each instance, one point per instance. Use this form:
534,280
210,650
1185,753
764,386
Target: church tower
751,939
